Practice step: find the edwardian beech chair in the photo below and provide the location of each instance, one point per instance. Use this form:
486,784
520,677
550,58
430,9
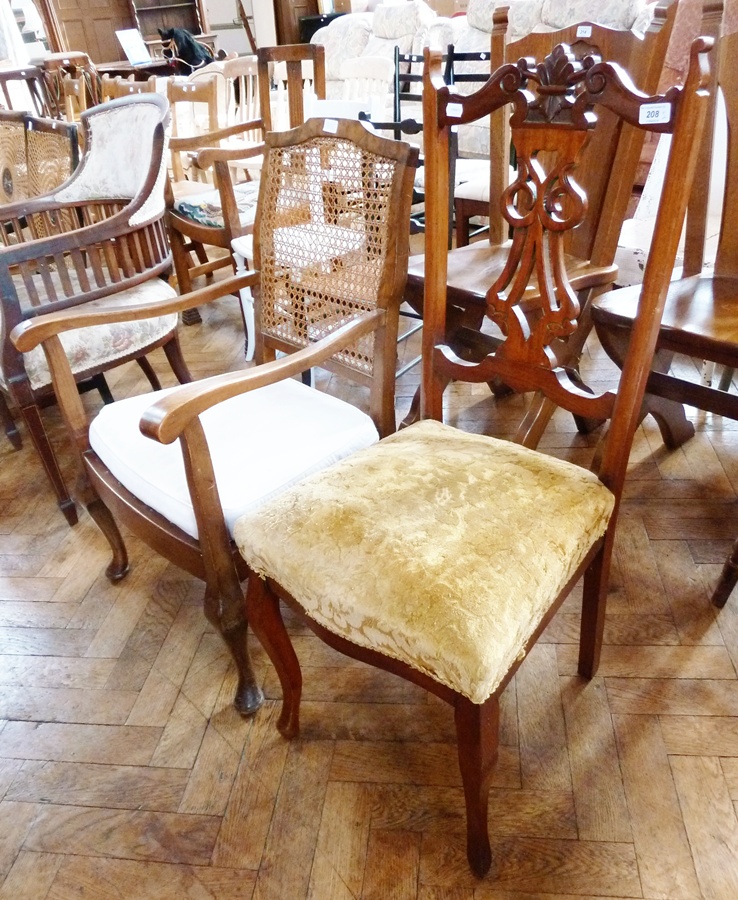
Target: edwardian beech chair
113,88
100,238
228,210
607,174
440,555
330,279
700,318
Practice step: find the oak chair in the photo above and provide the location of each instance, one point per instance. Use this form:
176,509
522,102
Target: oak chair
700,318
97,238
113,88
607,174
329,279
473,196
37,98
291,62
74,94
417,555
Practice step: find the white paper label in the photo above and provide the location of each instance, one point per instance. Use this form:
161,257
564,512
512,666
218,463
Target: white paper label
454,110
330,126
584,31
654,114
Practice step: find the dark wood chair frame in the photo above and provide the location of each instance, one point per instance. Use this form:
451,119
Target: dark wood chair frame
94,240
607,175
700,315
529,364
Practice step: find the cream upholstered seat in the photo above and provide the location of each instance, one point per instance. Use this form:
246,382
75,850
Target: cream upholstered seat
301,431
441,556
89,349
423,548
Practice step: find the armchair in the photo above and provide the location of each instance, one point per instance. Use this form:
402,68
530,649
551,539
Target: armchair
228,210
330,272
97,239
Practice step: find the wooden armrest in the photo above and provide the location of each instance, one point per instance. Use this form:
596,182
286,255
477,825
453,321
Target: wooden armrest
209,155
194,142
169,417
32,332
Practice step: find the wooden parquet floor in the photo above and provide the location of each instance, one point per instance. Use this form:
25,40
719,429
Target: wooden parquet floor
125,773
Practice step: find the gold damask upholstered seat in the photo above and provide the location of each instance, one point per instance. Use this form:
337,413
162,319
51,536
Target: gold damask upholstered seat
436,547
442,556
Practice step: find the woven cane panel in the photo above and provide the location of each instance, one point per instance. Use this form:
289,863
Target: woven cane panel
49,161
13,177
324,239
49,158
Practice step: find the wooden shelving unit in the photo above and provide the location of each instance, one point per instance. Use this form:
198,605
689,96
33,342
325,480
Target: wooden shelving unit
149,16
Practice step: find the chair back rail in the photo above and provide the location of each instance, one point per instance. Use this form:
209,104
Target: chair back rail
292,56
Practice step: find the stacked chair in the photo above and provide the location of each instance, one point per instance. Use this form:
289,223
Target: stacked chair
699,320
227,211
608,171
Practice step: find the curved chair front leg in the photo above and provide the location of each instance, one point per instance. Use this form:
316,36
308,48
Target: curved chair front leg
32,418
477,735
228,615
263,612
104,520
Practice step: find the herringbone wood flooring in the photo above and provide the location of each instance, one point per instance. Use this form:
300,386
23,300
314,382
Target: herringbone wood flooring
125,773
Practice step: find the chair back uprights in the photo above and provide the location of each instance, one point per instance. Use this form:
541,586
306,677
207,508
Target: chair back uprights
119,185
290,59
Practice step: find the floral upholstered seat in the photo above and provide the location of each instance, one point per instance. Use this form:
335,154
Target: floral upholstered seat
205,208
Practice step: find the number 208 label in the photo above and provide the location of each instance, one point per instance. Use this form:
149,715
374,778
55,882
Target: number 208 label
654,114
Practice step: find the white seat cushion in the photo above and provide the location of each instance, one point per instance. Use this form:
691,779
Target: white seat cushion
261,443
205,208
439,548
89,348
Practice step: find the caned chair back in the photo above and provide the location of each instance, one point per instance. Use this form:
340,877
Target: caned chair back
330,244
